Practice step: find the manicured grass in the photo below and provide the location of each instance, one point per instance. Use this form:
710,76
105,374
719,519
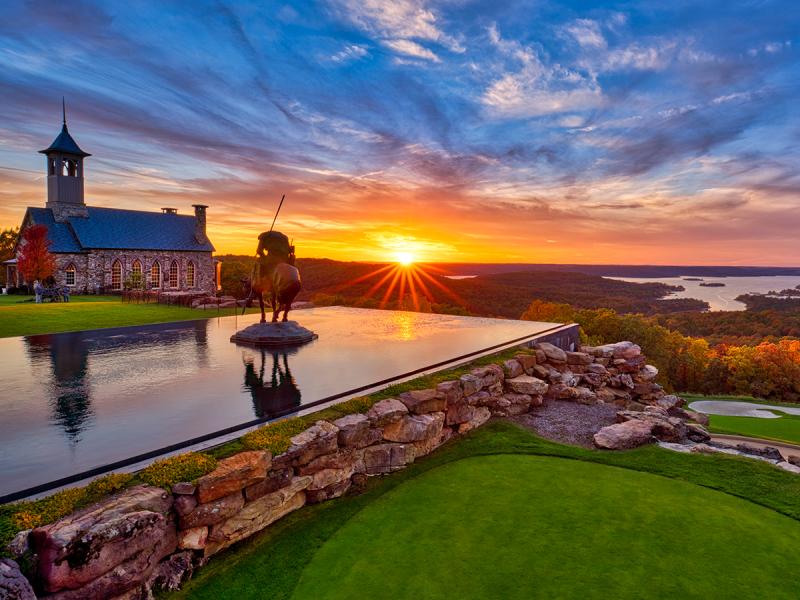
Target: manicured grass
540,527
88,312
644,530
784,429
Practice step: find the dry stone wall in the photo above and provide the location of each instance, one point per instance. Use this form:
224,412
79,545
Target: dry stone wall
146,537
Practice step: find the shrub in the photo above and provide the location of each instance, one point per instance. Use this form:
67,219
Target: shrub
183,467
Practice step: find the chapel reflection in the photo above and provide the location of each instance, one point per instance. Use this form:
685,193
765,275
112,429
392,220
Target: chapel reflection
275,393
121,358
70,397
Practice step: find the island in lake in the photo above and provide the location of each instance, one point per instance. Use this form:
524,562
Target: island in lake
693,279
712,284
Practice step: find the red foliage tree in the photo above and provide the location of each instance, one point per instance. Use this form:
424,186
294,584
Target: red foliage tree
34,259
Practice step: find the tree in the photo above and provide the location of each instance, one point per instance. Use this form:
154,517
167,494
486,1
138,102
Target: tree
34,259
8,238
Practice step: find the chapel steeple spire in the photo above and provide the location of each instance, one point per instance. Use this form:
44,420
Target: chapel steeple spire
65,173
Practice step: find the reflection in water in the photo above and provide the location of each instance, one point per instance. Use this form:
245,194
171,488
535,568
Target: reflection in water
276,395
120,356
403,323
70,400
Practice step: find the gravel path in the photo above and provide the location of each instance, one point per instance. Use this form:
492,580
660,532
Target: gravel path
568,422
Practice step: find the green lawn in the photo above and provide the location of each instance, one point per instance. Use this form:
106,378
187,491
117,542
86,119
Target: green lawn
785,429
531,518
87,312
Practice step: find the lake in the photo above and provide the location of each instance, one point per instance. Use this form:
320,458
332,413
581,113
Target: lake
722,298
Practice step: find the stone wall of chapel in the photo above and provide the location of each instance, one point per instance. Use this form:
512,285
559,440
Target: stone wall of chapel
93,269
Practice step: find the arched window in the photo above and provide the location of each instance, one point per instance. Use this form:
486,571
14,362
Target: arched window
155,275
190,274
136,274
173,274
116,275
69,275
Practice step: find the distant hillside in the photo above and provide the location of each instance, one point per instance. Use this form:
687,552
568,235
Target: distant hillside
654,271
503,295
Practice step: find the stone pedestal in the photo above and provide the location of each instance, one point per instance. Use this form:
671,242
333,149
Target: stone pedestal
288,333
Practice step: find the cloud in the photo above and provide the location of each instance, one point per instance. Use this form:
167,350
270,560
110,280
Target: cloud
398,20
587,33
537,89
409,48
350,53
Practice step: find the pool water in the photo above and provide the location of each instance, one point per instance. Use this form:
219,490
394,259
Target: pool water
70,402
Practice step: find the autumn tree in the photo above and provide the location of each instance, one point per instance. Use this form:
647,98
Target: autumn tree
34,258
8,239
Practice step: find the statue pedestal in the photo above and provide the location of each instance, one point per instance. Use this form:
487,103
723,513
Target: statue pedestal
288,333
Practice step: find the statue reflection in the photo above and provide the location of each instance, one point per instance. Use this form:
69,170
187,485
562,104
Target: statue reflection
70,397
275,394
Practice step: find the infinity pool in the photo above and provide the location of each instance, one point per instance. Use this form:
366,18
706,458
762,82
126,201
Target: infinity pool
71,402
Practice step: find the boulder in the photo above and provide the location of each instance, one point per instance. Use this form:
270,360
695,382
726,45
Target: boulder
489,375
213,512
787,466
385,458
470,384
527,361
585,395
793,459
621,436
328,493
256,515
527,384
13,585
321,438
183,488
552,353
184,504
478,399
275,480
512,368
451,391
233,474
668,402
420,402
19,546
697,433
626,350
479,417
386,411
579,358
333,468
510,404
170,573
648,373
130,527
597,369
127,576
459,413
353,431
414,428
193,539
605,395
425,447
768,452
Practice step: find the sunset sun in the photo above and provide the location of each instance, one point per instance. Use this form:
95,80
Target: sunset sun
405,258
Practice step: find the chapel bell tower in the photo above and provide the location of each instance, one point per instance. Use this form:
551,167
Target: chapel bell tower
65,175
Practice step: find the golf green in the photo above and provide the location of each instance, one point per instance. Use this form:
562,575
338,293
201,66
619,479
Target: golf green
516,526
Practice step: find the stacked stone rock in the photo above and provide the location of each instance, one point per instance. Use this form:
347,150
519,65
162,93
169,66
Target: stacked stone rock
143,537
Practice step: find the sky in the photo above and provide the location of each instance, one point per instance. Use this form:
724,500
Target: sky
633,132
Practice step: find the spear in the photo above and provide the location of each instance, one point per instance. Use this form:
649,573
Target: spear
255,263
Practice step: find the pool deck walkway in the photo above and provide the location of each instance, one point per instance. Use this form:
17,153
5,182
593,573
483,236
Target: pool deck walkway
785,448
